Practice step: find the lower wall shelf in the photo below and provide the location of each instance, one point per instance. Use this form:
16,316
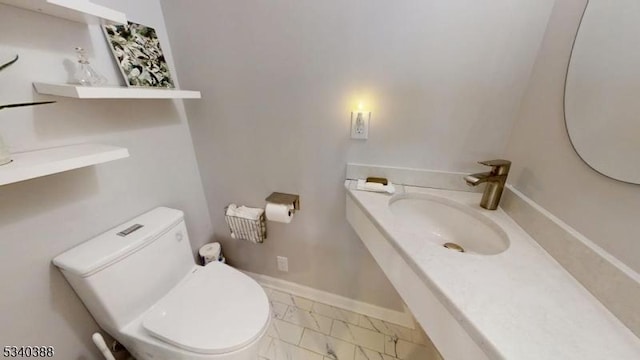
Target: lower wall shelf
33,164
113,92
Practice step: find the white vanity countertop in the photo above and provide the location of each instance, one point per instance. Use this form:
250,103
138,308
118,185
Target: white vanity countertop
519,304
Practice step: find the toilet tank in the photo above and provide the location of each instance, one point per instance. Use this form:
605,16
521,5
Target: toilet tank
119,274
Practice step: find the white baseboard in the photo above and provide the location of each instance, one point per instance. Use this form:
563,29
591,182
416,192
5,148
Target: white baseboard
403,318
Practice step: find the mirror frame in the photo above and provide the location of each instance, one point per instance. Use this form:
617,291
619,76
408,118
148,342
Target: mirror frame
564,102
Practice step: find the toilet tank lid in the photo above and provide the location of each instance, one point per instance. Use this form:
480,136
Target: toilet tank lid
111,246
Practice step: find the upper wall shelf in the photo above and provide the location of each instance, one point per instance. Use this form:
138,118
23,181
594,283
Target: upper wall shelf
82,11
33,164
115,92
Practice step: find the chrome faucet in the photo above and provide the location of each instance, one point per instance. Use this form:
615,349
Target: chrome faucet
495,179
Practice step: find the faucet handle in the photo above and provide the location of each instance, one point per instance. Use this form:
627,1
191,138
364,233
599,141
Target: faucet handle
498,166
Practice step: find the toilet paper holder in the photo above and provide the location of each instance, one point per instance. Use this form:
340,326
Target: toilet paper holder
284,199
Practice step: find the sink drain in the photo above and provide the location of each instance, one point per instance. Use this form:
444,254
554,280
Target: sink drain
454,247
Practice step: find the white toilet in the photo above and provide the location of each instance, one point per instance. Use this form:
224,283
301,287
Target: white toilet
141,284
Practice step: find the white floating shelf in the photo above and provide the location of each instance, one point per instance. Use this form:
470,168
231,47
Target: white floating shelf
82,11
114,92
33,164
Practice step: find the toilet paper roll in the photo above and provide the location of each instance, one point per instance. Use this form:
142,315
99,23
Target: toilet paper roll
210,252
279,212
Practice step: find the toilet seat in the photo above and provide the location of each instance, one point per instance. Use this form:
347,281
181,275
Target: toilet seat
216,310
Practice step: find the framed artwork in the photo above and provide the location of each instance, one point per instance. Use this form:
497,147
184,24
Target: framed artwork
137,51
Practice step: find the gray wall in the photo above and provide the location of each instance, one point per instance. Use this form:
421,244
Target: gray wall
547,169
443,78
41,218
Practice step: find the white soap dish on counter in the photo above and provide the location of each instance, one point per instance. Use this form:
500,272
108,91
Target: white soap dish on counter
365,185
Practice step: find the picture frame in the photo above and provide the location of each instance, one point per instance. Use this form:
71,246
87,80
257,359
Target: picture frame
137,51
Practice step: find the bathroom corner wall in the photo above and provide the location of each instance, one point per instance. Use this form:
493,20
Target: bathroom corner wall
545,166
43,217
443,79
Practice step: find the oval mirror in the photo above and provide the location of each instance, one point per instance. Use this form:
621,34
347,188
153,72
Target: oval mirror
602,91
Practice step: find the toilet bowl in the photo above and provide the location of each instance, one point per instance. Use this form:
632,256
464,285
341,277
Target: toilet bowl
141,284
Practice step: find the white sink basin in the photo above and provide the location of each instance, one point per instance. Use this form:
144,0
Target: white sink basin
443,221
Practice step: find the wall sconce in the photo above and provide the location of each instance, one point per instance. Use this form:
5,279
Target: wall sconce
360,123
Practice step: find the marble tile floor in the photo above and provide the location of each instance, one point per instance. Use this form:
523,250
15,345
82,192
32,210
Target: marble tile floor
302,329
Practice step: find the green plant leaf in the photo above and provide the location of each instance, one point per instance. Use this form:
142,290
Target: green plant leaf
9,63
25,104
7,106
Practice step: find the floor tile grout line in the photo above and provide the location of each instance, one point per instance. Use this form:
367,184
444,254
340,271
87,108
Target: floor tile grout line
333,321
304,348
348,341
346,321
318,302
312,311
347,324
383,352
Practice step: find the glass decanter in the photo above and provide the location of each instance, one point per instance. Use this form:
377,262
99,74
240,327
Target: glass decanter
85,74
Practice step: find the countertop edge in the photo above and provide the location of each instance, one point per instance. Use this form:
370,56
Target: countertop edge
475,333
